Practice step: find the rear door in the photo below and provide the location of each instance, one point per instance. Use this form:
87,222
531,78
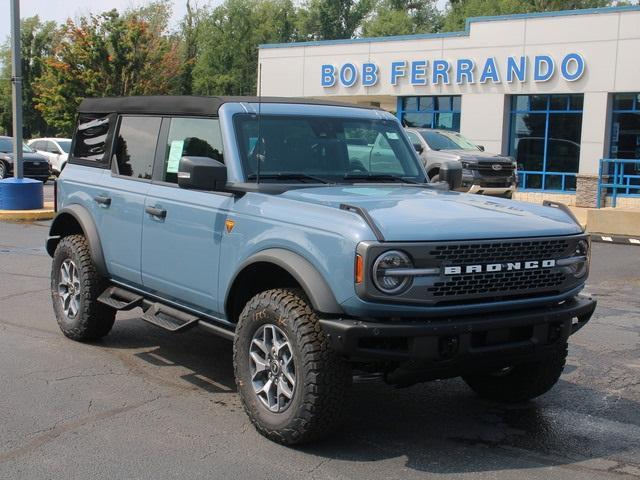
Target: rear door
123,192
182,229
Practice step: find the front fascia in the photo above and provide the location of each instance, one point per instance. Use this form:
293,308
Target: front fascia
498,272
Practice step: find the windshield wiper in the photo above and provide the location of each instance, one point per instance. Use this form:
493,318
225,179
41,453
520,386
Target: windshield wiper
379,178
288,176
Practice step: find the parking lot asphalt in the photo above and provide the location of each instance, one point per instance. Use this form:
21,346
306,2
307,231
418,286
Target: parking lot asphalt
144,403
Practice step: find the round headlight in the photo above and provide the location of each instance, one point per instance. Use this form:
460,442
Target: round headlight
582,250
386,276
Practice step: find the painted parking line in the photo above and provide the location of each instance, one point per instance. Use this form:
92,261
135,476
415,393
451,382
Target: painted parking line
618,239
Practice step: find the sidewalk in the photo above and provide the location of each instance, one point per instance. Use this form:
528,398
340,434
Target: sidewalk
45,213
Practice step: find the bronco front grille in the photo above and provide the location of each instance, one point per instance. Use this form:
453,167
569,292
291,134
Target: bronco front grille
499,283
511,251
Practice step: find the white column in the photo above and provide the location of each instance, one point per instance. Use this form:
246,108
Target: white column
483,119
594,141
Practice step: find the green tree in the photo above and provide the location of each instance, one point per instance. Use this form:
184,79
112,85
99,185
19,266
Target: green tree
459,10
108,55
332,19
37,42
403,17
228,44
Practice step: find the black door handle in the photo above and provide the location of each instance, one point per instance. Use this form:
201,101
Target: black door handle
156,212
103,200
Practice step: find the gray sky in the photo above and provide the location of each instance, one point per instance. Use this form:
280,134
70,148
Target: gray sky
60,10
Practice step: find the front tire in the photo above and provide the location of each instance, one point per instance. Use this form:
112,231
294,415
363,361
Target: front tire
75,287
520,382
292,385
3,171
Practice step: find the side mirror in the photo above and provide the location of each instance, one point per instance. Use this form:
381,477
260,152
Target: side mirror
201,173
480,147
418,147
451,172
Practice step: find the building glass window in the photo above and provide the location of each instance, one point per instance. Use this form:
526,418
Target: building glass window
545,140
430,112
625,126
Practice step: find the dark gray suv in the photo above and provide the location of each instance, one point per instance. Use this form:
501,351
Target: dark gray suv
482,172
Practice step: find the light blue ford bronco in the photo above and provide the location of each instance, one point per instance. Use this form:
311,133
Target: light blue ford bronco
264,222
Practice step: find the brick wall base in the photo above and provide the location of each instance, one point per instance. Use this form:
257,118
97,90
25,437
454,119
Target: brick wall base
587,191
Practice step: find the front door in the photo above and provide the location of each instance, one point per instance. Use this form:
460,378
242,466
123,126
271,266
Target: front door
182,229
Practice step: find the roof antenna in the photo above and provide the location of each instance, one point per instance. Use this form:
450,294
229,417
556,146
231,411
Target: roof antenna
258,154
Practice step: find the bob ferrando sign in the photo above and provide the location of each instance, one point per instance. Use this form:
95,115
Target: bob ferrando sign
513,69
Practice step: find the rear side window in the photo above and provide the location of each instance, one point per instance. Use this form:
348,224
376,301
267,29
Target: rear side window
135,146
90,146
195,137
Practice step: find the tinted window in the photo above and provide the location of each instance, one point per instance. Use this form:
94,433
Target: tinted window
135,146
91,137
197,137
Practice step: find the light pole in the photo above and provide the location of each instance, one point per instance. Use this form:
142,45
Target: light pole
16,88
18,193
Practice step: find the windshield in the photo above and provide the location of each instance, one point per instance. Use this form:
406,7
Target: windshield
6,146
65,145
319,149
439,140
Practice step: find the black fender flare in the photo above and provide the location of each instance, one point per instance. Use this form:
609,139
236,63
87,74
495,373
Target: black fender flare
311,281
433,166
83,218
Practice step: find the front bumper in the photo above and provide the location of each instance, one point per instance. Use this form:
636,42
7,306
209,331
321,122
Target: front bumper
457,343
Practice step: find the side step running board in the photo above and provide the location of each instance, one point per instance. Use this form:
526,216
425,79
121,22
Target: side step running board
120,299
169,318
160,314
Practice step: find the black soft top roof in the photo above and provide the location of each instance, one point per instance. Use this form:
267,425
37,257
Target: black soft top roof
183,105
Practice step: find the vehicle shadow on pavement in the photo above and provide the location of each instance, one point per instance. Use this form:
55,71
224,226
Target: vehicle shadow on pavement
440,427
206,358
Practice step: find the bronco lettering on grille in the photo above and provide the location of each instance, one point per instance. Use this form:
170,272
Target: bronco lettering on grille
499,267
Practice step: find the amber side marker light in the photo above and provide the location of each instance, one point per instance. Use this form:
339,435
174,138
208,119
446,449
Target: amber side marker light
229,224
359,269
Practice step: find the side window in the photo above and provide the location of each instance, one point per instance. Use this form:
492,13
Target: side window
36,146
135,146
414,138
197,137
91,140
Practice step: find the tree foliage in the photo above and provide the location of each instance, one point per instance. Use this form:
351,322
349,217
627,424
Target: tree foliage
108,55
37,40
460,10
403,17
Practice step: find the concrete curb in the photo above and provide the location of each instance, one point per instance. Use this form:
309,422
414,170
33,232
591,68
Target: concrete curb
618,239
45,213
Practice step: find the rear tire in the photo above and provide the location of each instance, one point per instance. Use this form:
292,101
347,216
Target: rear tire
75,287
3,171
309,404
520,382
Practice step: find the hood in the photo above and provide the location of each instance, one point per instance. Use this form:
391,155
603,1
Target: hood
26,157
474,156
412,213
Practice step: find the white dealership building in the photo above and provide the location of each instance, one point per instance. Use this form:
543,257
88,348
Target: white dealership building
558,91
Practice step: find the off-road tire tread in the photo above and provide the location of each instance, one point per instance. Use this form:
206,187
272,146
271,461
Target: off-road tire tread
328,378
95,320
524,382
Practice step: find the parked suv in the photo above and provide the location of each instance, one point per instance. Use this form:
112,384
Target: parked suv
56,151
263,223
482,172
34,165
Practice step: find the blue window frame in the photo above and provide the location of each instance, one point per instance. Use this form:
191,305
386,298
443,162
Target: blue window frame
545,132
430,112
625,141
